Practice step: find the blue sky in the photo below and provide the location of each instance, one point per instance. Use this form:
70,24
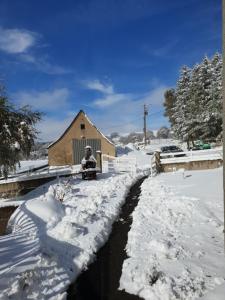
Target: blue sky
105,57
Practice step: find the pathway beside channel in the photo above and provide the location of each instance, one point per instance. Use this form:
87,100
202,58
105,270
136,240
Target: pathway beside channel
101,280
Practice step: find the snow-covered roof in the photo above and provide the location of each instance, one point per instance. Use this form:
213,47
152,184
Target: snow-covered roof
89,121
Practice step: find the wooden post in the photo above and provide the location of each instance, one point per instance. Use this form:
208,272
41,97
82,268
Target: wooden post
99,159
157,162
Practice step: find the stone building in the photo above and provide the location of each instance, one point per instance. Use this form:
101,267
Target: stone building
68,149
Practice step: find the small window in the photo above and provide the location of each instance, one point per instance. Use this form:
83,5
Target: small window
82,126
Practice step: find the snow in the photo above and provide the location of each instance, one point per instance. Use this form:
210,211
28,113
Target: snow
143,161
26,165
217,155
48,208
11,202
175,245
17,145
53,241
156,144
45,172
216,294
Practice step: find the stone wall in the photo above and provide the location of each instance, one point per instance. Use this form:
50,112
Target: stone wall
192,165
18,188
5,214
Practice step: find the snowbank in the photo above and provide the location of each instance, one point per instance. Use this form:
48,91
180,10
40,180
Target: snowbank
52,241
175,245
47,208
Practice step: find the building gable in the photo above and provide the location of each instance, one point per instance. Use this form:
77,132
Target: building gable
82,118
62,151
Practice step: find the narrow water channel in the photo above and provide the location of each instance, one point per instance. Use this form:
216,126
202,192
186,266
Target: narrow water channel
101,280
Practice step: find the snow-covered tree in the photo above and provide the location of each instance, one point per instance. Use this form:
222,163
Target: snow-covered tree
17,132
194,108
150,135
163,133
169,103
181,114
215,105
206,98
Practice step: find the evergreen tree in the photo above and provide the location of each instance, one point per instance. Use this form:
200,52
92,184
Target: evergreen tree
215,105
194,108
180,110
169,103
17,133
205,79
163,133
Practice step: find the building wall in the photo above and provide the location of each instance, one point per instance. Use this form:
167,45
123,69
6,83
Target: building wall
61,153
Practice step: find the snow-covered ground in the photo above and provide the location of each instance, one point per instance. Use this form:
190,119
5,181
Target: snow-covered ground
52,241
175,245
26,165
142,159
154,145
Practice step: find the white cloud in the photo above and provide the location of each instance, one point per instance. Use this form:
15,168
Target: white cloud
99,86
46,101
155,96
16,41
109,100
21,42
123,112
43,65
110,97
127,113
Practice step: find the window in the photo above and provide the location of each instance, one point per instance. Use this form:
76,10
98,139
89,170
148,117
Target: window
82,126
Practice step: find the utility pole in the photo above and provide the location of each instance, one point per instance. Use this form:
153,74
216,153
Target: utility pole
145,127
